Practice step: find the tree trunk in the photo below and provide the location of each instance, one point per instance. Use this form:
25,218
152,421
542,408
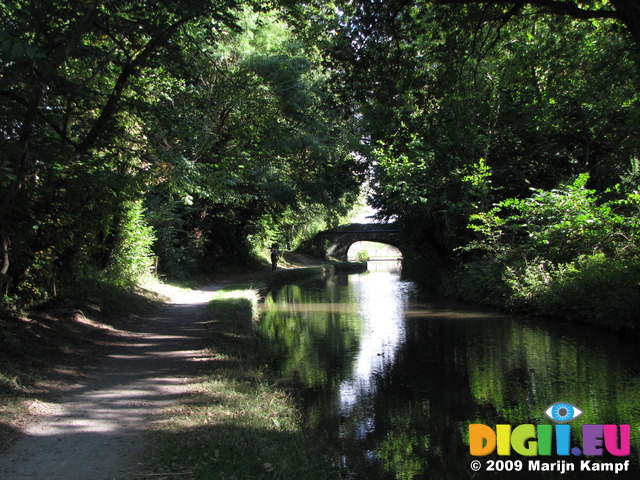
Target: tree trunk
4,267
4,248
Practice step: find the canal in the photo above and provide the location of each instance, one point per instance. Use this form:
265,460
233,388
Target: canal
393,377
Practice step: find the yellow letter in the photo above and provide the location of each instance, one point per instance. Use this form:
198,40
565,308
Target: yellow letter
504,439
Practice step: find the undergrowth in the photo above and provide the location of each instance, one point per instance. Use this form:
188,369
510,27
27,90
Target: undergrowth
570,253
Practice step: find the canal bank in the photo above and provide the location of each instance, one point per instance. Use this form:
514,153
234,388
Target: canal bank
239,422
101,375
370,378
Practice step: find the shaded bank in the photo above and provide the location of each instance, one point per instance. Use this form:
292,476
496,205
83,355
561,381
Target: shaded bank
43,352
598,292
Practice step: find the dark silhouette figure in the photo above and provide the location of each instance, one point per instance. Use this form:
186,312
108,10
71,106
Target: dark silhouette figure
275,256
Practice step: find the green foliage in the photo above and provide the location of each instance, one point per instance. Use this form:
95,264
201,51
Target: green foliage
559,224
561,252
480,281
131,255
441,86
212,114
256,151
596,288
178,248
362,256
240,124
235,306
591,288
466,109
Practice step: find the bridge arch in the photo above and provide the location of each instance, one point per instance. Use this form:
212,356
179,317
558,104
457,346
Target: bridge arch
335,243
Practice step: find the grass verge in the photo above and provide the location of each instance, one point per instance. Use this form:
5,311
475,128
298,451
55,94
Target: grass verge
237,424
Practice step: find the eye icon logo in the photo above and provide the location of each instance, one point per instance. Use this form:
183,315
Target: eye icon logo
563,412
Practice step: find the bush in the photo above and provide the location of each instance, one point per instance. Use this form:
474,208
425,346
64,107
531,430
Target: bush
597,289
179,252
362,256
562,252
479,281
131,258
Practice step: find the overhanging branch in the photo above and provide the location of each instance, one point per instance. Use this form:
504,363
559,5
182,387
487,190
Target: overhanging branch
626,12
116,94
552,6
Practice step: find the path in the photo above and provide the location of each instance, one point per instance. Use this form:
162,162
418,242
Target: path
96,430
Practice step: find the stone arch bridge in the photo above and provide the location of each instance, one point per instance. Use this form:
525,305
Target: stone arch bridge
335,243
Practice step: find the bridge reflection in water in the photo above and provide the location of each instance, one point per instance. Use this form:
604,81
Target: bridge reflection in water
380,257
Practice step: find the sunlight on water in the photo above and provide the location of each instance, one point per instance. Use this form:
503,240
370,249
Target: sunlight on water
395,377
381,306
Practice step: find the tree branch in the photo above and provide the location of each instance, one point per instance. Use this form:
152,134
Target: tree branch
553,6
627,12
116,94
63,53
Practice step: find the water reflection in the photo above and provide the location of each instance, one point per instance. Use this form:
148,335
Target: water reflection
395,380
381,299
389,266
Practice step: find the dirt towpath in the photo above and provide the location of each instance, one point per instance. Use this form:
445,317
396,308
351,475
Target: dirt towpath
95,430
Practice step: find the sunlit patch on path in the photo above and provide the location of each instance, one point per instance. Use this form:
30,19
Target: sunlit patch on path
96,430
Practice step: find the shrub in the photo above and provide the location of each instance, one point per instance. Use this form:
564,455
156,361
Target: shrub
362,256
595,288
562,252
131,257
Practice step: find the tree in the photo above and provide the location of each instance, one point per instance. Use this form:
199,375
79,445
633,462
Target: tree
108,104
255,142
68,70
442,87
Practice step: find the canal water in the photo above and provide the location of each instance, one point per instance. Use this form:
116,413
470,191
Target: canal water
393,377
